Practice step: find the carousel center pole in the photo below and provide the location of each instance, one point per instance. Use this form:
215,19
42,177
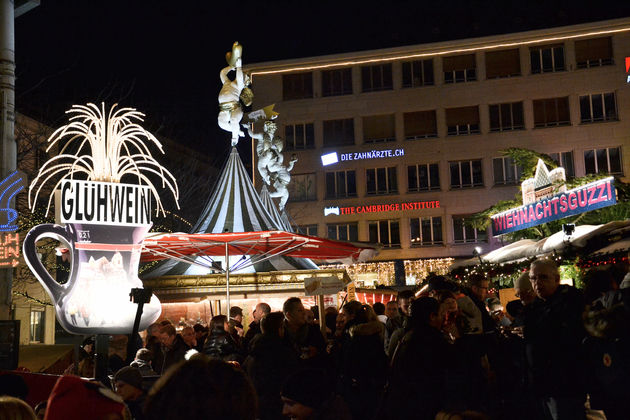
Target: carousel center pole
227,278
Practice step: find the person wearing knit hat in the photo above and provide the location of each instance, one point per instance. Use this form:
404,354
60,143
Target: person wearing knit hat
128,384
76,398
309,394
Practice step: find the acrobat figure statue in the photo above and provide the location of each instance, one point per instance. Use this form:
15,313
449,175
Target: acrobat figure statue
280,178
268,149
234,94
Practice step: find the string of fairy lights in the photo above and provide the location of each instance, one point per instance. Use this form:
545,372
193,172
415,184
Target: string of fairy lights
383,272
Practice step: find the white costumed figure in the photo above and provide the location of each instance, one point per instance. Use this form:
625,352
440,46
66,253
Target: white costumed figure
233,94
280,178
268,149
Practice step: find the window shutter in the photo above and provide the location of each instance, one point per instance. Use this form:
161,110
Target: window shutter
459,62
503,63
378,127
420,123
593,49
463,115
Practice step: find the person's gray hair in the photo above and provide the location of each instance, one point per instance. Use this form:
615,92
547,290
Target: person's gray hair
545,262
523,282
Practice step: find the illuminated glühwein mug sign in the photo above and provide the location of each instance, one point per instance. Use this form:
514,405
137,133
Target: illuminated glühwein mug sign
105,224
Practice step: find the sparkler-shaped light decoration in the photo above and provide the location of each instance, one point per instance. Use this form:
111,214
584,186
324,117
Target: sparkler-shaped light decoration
118,148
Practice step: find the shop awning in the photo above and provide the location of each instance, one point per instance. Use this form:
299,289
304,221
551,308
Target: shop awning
558,242
618,246
260,246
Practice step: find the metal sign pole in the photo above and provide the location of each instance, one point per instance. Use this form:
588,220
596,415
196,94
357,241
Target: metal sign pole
101,357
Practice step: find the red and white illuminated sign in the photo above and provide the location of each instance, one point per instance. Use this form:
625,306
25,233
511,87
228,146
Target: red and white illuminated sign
9,249
381,208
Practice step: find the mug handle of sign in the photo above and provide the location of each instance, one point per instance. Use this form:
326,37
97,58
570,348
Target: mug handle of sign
48,230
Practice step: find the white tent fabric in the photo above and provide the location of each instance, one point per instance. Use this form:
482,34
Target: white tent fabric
559,241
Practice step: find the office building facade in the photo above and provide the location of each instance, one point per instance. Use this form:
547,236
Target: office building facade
414,135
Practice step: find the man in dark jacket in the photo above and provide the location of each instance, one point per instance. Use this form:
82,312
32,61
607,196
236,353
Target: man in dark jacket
254,329
235,324
173,349
478,292
306,340
269,364
553,335
220,343
427,372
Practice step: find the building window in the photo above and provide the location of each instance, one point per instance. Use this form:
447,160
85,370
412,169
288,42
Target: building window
341,184
593,52
466,174
376,78
337,82
297,86
379,128
506,117
466,234
37,325
310,230
381,180
420,125
303,187
425,177
606,160
460,68
506,63
299,136
343,231
417,73
339,132
598,107
462,121
547,59
426,231
385,232
551,112
506,172
564,159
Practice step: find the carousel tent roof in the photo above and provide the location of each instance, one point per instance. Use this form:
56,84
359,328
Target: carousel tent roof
234,206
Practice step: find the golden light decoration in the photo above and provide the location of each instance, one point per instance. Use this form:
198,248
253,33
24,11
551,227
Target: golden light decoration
436,52
117,146
385,272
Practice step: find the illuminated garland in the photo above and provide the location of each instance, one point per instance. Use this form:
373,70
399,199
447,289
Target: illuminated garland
385,272
30,298
436,53
585,264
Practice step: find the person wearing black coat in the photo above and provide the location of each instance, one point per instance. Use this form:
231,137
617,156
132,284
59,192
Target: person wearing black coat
553,335
172,349
220,344
269,364
361,362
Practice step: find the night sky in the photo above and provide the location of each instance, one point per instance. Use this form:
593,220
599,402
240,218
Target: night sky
163,58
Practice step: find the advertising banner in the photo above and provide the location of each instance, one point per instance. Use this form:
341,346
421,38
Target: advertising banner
594,195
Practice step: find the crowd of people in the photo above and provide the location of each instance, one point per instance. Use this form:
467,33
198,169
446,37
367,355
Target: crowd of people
442,352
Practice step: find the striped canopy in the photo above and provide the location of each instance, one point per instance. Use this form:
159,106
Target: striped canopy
234,206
